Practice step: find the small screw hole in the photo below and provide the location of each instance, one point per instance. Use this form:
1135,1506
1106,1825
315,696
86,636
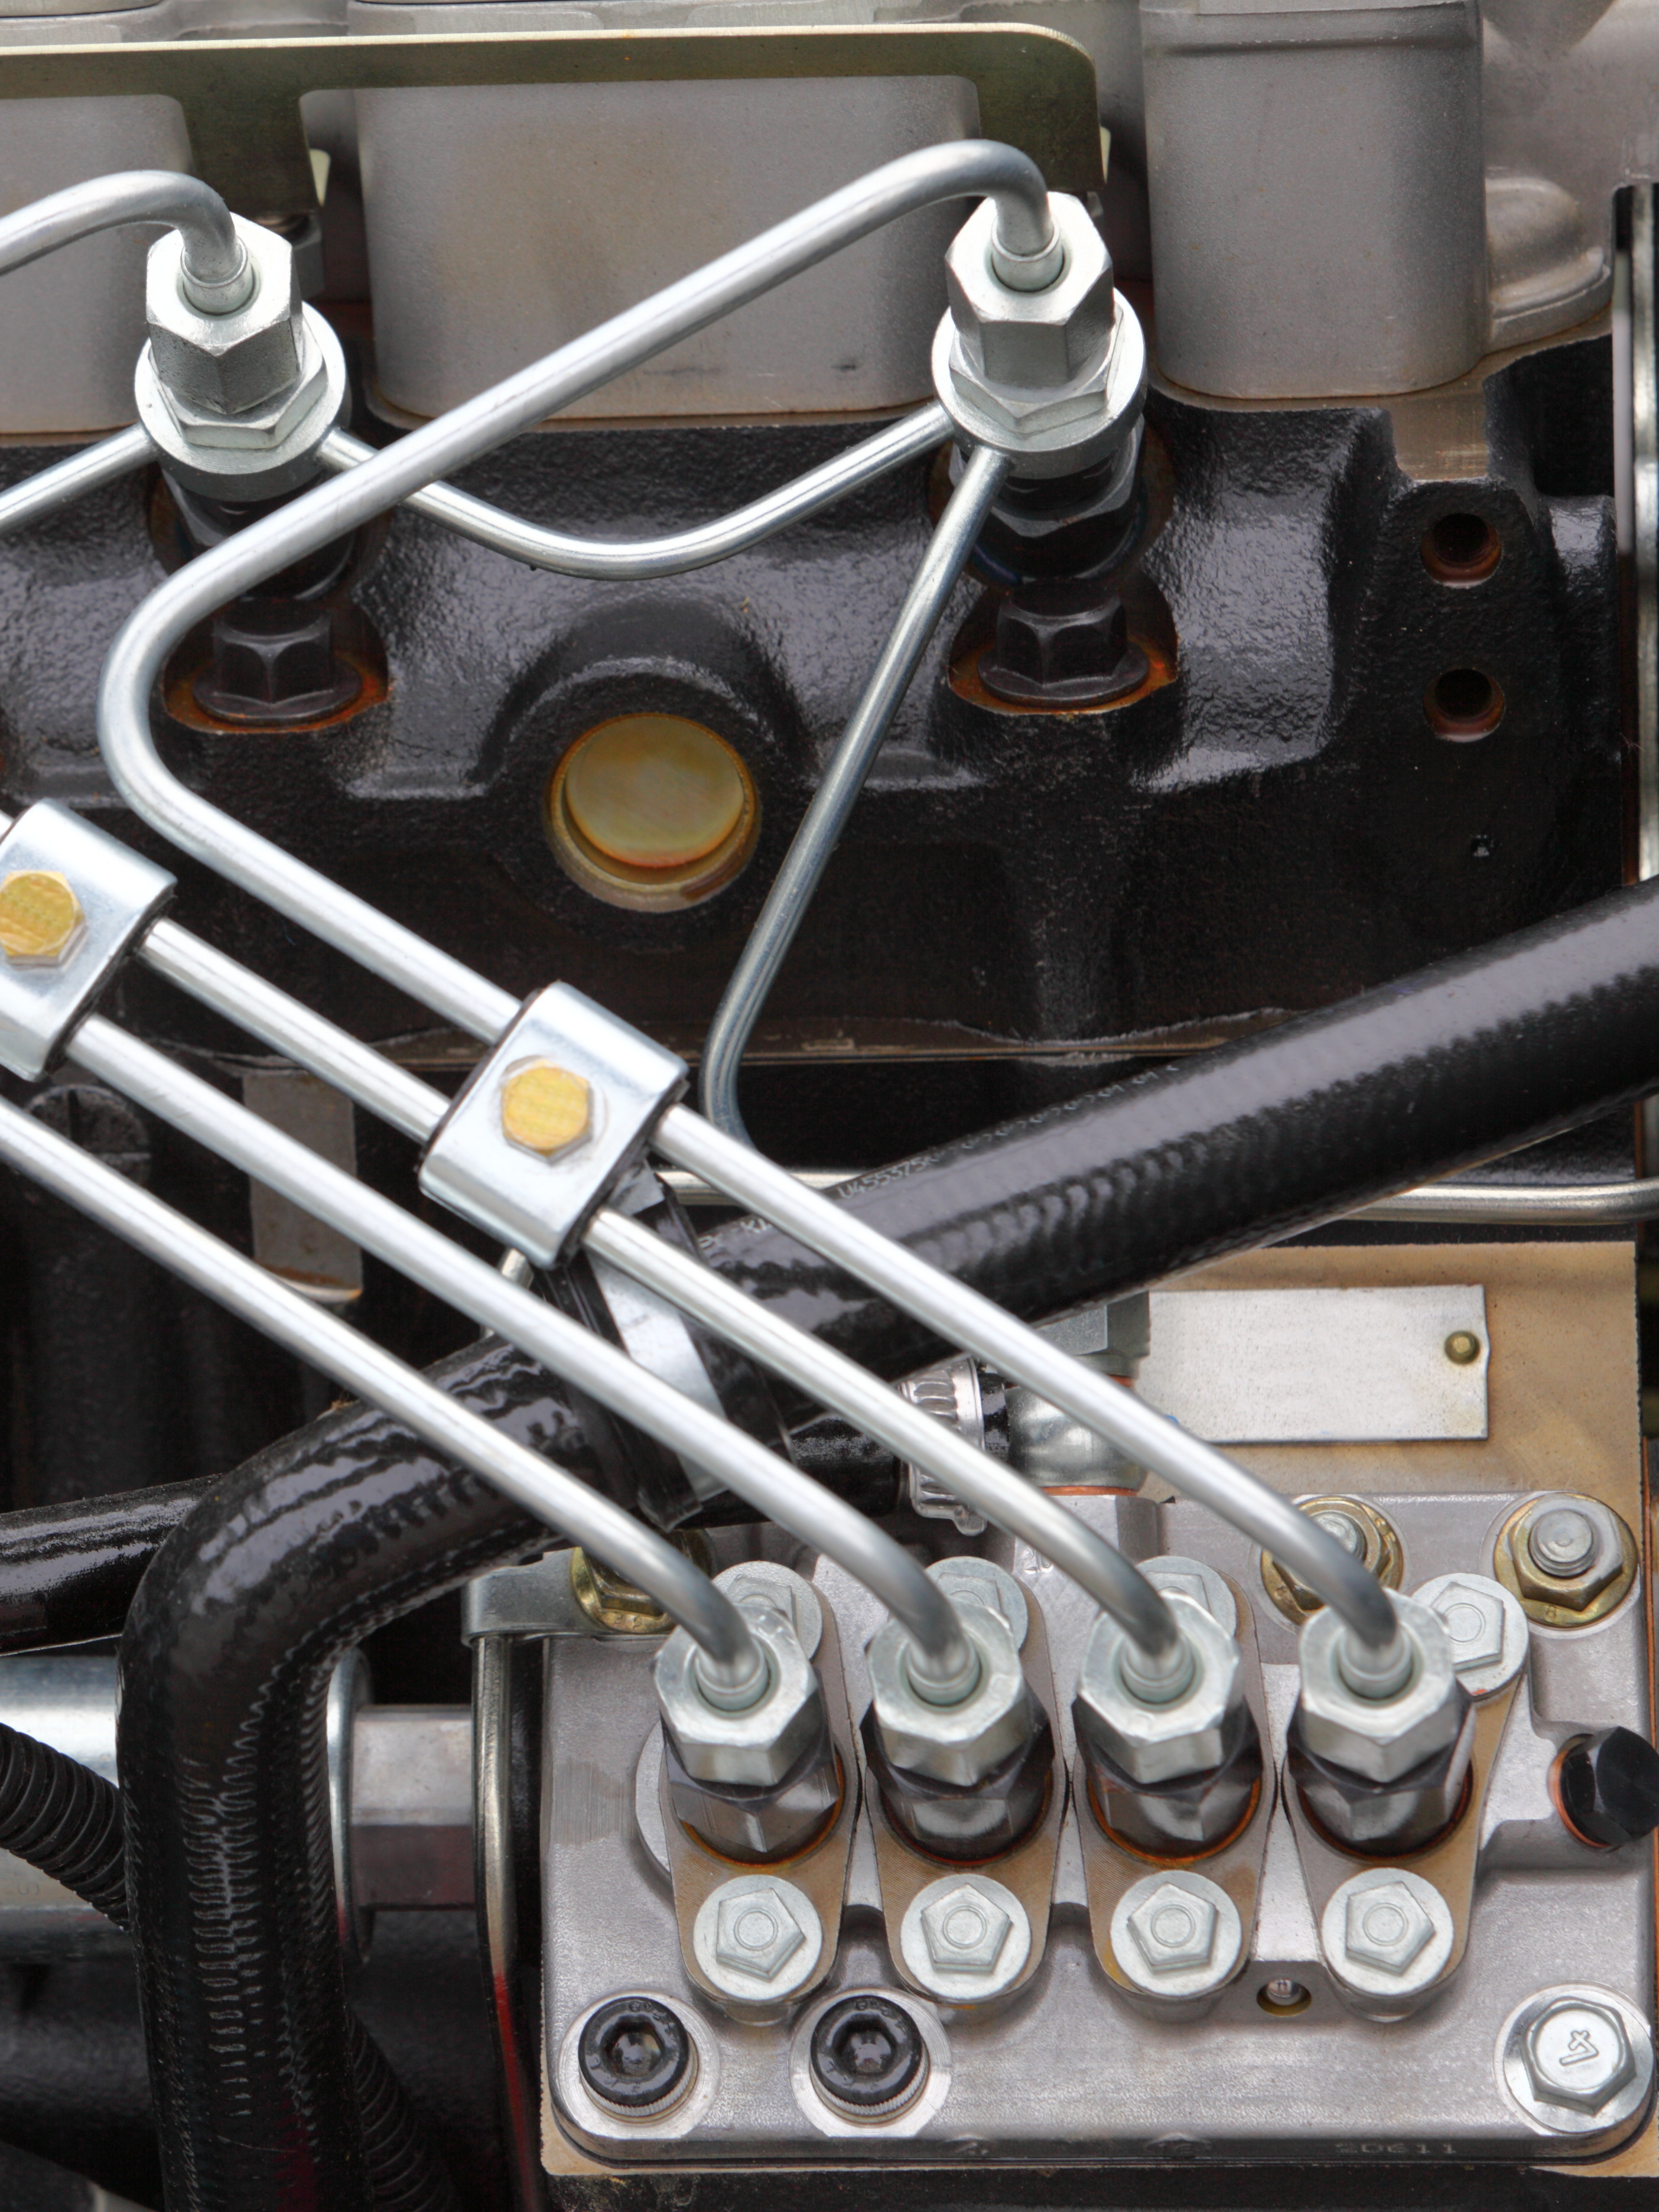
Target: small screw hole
1463,704
1282,1998
1461,548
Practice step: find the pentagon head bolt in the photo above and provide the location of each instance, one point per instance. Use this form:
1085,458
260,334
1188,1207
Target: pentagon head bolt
965,1938
1176,1935
757,1938
40,918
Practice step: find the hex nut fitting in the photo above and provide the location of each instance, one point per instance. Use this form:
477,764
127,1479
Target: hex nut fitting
759,1745
1033,341
1566,1557
40,918
1382,1738
960,1743
1154,1743
1055,377
243,364
1176,1935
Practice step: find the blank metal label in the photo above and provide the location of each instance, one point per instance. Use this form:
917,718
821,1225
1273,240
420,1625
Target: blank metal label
1321,1367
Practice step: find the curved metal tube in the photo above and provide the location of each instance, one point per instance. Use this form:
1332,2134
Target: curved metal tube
820,833
942,1658
71,479
970,168
1020,1507
715,1625
376,1083
214,255
962,1316
1539,1205
632,559
495,1889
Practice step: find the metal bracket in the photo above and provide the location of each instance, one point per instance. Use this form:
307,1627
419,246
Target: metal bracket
532,1177
63,938
241,96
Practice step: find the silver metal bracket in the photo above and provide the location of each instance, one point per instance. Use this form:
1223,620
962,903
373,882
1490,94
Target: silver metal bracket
552,1119
73,901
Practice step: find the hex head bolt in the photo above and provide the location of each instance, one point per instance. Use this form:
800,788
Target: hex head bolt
1062,643
40,918
274,661
1606,1787
1567,1559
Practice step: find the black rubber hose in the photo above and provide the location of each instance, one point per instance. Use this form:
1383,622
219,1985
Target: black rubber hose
63,1819
68,1571
225,1663
1471,1057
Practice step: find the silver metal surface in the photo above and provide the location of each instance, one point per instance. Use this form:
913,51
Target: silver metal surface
1485,1625
1578,2060
1318,1366
1177,1935
471,1286
412,1807
961,1742
1259,222
213,255
814,842
1380,1737
1387,1932
352,924
68,480
328,1344
781,1587
1644,461
538,1205
758,1742
757,1938
949,1393
1178,1735
1054,379
533,1600
889,449
834,1380
962,1317
915,2110
1071,2074
965,1938
118,892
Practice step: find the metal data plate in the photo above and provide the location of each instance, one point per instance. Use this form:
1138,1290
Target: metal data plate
120,894
1319,1366
1068,2074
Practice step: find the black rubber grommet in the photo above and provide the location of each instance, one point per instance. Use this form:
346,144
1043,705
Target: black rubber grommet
633,2052
865,2051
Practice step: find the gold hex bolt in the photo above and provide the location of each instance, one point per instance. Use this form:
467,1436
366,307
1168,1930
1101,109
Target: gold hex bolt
545,1108
40,917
